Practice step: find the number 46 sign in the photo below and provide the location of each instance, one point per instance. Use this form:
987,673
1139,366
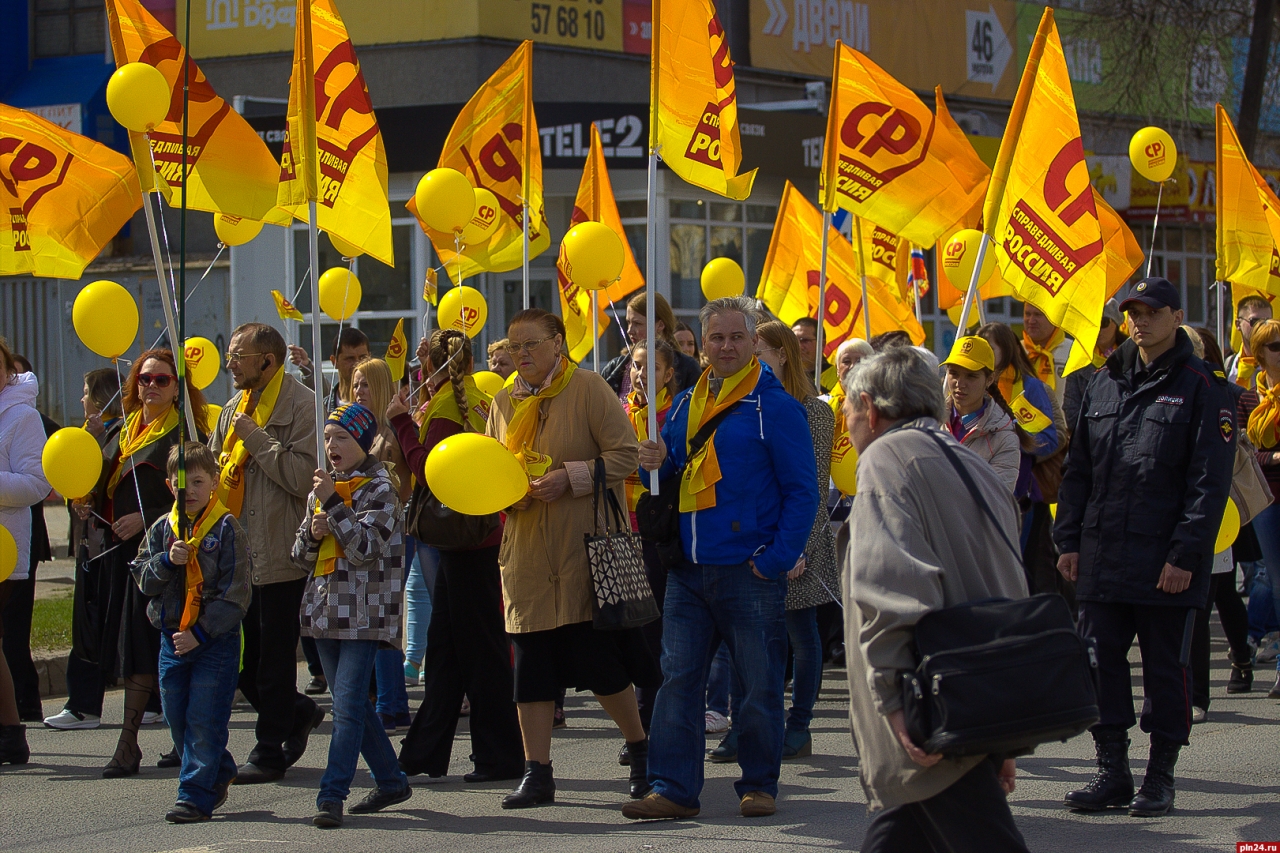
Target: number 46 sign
988,51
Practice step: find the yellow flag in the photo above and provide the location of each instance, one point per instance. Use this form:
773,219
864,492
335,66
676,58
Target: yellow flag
693,101
789,281
1123,253
594,203
285,308
888,257
333,152
1041,211
890,160
494,142
430,287
229,167
1248,216
397,352
62,196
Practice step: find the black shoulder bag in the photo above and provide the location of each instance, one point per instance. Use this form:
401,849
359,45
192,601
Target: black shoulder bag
998,676
435,524
658,517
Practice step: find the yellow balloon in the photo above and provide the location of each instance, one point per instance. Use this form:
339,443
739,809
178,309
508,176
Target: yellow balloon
592,255
235,230
138,96
1230,528
445,200
339,293
722,277
488,382
203,361
344,248
475,474
72,462
463,308
105,318
959,256
1153,154
215,412
8,554
484,219
844,465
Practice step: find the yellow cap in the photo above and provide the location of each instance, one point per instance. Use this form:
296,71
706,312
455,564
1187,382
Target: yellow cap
972,353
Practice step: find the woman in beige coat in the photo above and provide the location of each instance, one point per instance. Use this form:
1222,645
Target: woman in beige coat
559,420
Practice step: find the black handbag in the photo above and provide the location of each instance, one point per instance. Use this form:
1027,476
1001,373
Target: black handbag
1000,676
623,597
434,524
658,516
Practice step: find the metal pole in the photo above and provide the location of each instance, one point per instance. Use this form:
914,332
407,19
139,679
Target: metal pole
862,273
595,331
525,230
166,299
180,345
317,374
1222,328
651,307
971,294
822,302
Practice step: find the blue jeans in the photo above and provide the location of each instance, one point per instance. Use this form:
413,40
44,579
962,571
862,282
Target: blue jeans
1262,610
1267,528
704,605
356,729
393,697
197,690
718,682
806,679
417,596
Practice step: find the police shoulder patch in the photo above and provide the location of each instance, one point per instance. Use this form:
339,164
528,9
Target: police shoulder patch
1226,424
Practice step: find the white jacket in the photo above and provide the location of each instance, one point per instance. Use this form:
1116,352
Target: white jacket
22,481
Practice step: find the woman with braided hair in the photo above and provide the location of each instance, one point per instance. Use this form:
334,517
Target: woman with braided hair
467,648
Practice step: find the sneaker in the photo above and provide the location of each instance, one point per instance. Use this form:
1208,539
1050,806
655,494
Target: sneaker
1268,648
411,675
1199,715
67,719
716,722
150,718
727,751
392,723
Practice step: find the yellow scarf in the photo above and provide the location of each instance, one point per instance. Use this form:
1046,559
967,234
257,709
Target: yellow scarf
1246,367
638,412
1264,421
212,514
1042,356
702,471
134,436
443,405
330,550
522,429
234,453
836,402
1029,417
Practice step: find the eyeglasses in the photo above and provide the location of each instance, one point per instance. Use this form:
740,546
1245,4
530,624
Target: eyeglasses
527,346
764,350
233,357
160,380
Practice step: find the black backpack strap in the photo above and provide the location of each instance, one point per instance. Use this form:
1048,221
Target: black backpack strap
967,479
703,435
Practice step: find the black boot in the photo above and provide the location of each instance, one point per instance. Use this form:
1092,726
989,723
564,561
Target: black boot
13,745
537,787
1241,680
1155,798
1112,787
639,768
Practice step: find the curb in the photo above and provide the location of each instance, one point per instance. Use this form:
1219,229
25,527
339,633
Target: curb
51,668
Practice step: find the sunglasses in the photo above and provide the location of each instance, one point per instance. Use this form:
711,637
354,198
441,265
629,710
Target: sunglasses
160,380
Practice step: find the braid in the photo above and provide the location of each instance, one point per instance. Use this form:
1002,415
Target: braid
456,341
1025,439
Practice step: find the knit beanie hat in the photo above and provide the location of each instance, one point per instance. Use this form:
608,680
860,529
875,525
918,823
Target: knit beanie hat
358,421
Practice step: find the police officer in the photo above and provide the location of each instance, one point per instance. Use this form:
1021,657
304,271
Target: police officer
1142,498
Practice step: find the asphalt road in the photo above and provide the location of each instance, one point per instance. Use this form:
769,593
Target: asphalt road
1227,792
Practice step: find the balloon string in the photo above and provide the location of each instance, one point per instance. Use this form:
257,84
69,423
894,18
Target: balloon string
164,231
1155,223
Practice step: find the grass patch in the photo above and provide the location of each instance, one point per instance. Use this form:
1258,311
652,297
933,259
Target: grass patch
51,623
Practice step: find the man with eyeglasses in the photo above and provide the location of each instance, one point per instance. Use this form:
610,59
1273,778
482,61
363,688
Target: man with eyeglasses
1242,367
265,440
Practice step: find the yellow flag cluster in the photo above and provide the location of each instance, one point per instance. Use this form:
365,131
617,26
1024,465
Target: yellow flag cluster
594,203
494,142
789,281
333,152
63,196
229,169
1248,217
693,100
890,160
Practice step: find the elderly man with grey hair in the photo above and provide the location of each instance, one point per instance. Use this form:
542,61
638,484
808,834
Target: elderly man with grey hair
737,448
918,542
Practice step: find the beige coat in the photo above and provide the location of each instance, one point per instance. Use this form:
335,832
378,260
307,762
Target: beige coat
278,477
546,581
917,543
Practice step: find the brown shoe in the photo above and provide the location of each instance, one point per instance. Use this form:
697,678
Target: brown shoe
757,804
657,807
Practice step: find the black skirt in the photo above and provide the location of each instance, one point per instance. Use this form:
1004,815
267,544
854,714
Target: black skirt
579,657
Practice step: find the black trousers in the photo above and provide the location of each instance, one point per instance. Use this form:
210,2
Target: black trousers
313,657
1235,622
85,686
17,645
971,815
657,574
1166,682
467,653
269,679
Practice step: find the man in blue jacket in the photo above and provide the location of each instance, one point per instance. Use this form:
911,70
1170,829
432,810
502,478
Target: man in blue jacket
748,495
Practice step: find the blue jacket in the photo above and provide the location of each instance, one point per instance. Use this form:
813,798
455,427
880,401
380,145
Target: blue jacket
1037,394
768,494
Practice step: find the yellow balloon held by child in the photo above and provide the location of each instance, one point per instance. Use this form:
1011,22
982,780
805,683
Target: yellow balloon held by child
1230,528
72,462
339,293
8,554
592,255
105,318
138,96
722,278
488,382
1153,154
463,308
459,462
445,200
203,361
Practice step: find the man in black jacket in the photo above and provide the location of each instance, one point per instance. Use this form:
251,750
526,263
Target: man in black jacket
617,371
1142,498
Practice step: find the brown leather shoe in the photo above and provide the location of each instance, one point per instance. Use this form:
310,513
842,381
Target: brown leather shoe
657,807
757,804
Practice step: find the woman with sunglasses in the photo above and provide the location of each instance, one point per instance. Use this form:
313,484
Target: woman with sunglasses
134,496
1264,432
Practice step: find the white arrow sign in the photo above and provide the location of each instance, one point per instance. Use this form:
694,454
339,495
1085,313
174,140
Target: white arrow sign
989,50
777,18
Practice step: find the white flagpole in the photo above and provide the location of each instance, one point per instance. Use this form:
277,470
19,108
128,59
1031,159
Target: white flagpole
862,273
525,241
822,303
176,345
972,293
595,330
651,306
317,373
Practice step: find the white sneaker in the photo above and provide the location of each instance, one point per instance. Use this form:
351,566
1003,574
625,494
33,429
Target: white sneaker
150,718
1269,648
67,719
716,723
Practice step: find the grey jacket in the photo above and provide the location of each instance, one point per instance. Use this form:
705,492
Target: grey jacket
917,543
278,475
994,438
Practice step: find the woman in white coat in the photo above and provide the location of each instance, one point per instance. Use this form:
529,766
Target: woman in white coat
977,415
22,484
